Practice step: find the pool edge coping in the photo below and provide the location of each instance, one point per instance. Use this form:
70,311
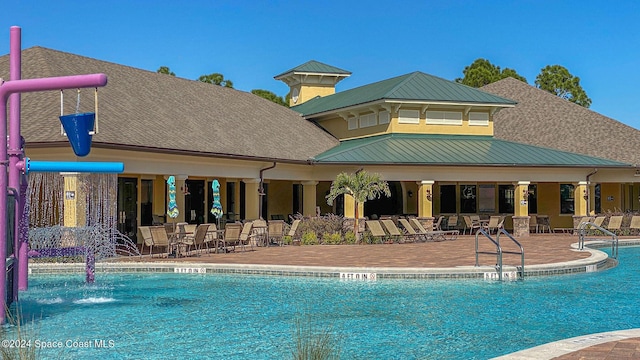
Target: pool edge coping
598,260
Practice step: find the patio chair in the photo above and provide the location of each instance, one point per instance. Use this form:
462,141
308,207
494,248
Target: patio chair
230,237
599,220
197,239
159,238
438,235
392,229
246,235
495,223
376,230
452,222
469,224
438,224
293,230
615,223
276,231
533,223
635,223
145,235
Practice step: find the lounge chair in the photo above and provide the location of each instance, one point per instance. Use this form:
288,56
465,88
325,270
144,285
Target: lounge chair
574,230
635,223
439,235
392,229
159,238
615,223
376,230
410,232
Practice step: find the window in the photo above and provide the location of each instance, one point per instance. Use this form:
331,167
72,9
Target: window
506,199
448,199
487,199
409,117
468,199
383,117
444,118
566,199
368,120
353,123
478,119
533,199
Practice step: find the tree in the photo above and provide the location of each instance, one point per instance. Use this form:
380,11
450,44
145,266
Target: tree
270,96
557,80
482,72
216,79
362,186
165,70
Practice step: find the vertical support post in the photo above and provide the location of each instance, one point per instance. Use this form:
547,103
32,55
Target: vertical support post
309,198
580,198
252,198
521,209
425,198
74,204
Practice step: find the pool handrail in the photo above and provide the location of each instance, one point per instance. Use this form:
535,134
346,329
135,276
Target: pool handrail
582,233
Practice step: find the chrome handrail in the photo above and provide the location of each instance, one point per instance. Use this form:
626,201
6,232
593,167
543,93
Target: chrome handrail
521,253
498,252
582,233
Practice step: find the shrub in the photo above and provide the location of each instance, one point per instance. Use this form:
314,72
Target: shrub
349,238
331,239
309,238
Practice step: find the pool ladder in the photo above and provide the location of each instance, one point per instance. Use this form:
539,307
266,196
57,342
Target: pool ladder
499,252
585,227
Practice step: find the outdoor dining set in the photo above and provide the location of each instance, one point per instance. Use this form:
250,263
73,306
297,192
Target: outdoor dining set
183,239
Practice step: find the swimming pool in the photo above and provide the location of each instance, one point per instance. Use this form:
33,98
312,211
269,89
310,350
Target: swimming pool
160,316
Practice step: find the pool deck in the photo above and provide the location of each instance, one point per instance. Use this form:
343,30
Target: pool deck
545,254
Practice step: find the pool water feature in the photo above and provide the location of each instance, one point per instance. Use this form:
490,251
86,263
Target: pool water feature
164,315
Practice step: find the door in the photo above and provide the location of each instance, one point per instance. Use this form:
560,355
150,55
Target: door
194,202
127,206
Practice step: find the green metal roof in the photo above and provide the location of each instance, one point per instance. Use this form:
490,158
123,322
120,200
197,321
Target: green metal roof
315,67
422,149
416,86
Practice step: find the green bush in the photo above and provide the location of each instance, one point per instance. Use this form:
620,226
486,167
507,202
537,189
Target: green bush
350,238
331,239
309,238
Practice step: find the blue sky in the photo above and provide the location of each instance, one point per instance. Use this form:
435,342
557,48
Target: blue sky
249,42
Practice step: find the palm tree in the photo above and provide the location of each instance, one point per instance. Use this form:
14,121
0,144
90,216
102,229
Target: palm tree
362,186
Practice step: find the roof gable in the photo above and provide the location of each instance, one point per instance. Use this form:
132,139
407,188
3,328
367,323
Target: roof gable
415,86
420,149
313,66
145,110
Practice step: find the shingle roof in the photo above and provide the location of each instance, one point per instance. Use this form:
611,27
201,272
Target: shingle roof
144,109
313,66
422,149
543,119
415,86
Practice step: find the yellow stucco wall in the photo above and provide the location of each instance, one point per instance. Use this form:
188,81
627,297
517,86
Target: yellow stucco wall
611,196
338,126
280,201
308,92
321,191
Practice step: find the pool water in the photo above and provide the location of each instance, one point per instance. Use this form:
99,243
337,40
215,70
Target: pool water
163,316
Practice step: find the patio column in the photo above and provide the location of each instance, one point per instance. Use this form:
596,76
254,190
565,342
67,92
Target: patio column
251,198
350,207
521,209
309,198
592,199
580,198
74,201
425,198
180,187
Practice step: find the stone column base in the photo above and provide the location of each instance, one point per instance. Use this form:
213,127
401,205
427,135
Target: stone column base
520,226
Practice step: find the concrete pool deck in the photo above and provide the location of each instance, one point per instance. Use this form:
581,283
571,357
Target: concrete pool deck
545,254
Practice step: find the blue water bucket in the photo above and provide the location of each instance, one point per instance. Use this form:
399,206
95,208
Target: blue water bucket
78,128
